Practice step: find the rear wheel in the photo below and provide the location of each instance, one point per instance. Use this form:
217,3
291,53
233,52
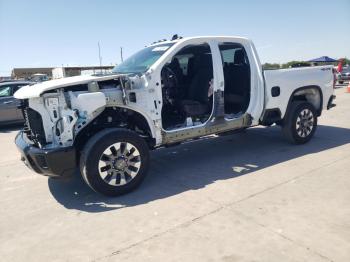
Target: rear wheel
300,122
114,161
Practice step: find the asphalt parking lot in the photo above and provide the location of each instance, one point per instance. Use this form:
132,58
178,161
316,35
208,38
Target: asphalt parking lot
244,197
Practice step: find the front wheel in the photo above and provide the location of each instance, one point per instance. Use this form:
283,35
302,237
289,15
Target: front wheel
300,122
114,161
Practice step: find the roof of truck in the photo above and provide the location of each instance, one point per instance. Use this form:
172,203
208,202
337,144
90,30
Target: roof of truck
180,39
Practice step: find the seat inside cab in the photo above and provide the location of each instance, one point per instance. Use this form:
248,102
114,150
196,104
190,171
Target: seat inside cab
236,70
187,87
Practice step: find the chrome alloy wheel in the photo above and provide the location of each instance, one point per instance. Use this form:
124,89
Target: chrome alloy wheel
305,123
119,164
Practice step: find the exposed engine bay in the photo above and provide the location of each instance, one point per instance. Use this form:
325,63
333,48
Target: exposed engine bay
58,116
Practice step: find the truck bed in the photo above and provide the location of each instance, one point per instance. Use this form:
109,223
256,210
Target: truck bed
293,79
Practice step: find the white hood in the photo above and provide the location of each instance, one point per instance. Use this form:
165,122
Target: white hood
36,90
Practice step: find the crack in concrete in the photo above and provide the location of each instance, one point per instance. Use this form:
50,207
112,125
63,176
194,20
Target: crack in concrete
308,249
221,207
287,181
182,225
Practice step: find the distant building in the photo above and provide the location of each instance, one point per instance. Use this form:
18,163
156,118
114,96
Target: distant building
26,73
5,78
58,72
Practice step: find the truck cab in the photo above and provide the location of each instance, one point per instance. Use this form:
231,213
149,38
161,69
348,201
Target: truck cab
209,85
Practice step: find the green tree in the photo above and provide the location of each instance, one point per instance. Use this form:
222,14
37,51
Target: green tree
346,61
269,66
295,64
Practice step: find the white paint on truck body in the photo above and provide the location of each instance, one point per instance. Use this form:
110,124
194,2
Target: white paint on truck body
148,90
291,79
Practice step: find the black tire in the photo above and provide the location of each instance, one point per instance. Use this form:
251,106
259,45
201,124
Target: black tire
92,153
341,82
289,128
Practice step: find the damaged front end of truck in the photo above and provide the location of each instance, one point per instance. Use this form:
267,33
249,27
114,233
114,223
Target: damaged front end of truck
61,115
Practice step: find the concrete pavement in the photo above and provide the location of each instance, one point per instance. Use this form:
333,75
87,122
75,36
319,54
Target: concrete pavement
244,197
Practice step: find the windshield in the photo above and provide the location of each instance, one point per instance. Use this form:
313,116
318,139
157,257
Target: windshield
142,60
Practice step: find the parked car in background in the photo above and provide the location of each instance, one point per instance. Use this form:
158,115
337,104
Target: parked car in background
9,111
344,75
39,77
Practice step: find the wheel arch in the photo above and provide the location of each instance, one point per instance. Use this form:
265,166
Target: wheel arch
118,117
312,94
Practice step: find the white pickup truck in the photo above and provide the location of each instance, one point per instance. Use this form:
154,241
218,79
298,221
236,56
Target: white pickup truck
167,93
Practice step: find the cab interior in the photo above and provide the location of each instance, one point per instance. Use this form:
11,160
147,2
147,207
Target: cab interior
236,70
187,85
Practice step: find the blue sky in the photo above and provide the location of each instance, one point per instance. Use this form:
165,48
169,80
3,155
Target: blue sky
51,33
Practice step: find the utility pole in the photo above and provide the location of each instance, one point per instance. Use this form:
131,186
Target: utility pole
99,55
121,54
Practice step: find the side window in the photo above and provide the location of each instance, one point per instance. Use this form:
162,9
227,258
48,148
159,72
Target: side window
5,91
188,63
232,53
228,55
183,61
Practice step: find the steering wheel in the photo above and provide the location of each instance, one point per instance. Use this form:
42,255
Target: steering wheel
170,85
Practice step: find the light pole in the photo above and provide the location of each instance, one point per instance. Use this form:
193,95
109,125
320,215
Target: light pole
99,55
